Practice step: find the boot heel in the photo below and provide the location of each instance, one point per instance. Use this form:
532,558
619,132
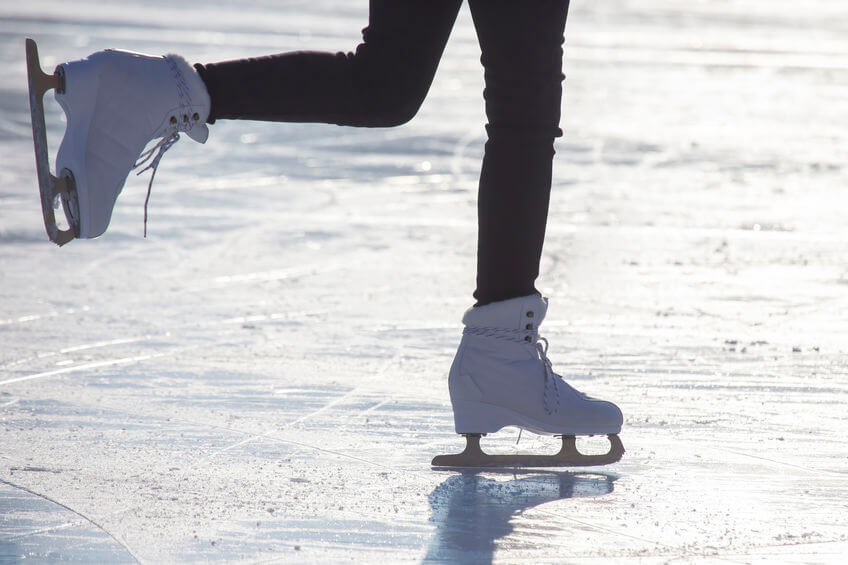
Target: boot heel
471,417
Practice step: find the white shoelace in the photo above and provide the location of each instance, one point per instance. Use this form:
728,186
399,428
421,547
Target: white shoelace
154,155
551,388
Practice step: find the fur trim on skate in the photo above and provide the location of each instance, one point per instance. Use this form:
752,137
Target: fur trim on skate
194,98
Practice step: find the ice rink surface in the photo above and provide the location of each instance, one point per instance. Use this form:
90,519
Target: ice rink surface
264,378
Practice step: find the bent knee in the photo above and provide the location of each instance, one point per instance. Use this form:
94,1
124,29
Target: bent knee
391,94
395,110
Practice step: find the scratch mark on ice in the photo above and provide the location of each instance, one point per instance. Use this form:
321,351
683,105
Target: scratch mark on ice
94,365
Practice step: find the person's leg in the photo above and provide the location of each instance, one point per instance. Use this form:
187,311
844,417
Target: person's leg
118,102
522,57
501,375
381,84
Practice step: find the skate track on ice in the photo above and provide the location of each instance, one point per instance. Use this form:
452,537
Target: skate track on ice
264,378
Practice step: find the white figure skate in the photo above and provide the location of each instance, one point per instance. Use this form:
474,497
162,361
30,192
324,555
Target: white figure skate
501,376
116,102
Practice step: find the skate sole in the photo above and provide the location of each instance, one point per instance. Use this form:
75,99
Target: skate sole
568,456
473,417
49,186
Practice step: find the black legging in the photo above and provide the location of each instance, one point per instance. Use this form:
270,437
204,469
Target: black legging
384,83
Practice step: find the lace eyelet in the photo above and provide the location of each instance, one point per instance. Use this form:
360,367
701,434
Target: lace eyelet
528,327
173,120
528,339
530,314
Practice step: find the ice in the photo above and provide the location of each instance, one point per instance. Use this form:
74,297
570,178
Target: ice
264,377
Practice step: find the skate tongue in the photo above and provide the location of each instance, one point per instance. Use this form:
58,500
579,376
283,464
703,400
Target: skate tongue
199,133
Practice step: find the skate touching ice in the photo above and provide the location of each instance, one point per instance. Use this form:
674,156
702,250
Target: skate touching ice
501,376
118,102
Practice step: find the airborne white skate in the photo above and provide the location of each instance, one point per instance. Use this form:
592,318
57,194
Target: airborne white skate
116,102
501,376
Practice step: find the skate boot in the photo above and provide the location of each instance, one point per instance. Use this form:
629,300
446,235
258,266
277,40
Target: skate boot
501,376
116,102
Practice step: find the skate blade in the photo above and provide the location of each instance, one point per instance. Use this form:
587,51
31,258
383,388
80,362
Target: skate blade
568,456
49,186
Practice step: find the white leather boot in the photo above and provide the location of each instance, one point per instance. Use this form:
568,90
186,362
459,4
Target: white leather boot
116,103
501,376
